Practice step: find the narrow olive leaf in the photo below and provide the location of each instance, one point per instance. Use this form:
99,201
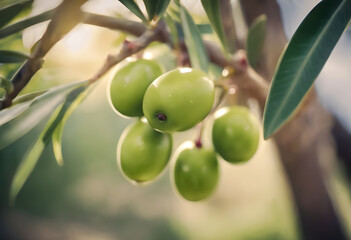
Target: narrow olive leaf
212,9
133,7
7,56
8,114
25,168
27,97
35,45
174,11
156,8
255,40
173,28
6,84
303,59
19,119
73,100
57,143
149,5
193,41
204,28
30,160
19,26
10,12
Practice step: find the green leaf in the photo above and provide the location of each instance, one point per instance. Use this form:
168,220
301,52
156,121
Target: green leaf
155,8
6,84
10,12
204,28
27,97
30,160
193,41
72,102
57,143
19,119
18,26
303,59
172,27
8,114
174,11
212,9
25,168
133,7
7,56
255,40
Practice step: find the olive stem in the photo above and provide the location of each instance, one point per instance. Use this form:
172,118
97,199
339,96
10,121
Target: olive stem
145,37
65,17
198,141
220,99
128,49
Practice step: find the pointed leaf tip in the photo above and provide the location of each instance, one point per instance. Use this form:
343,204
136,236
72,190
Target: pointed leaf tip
303,60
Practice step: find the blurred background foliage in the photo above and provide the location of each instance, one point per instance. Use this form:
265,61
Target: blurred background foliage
88,198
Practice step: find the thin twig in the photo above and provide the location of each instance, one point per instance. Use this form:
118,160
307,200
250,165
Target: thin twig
136,29
128,26
65,18
146,36
128,49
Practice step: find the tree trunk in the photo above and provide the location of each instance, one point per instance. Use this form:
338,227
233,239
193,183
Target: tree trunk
300,142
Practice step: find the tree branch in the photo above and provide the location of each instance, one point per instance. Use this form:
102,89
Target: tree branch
130,48
66,16
131,27
135,28
60,25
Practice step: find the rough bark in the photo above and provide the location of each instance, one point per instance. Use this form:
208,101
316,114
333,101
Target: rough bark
300,141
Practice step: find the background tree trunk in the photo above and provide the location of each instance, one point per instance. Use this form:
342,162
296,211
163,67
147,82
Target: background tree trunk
300,142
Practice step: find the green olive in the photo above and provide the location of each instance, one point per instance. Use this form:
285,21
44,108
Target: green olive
235,134
195,172
142,152
129,84
178,100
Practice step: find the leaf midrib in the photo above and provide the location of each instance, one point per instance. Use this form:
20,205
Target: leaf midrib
301,70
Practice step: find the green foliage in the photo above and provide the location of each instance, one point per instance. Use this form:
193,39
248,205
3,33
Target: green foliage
255,40
5,84
174,11
172,25
303,59
19,119
9,12
204,28
212,9
171,105
156,8
21,25
73,100
30,160
193,41
7,56
27,97
134,8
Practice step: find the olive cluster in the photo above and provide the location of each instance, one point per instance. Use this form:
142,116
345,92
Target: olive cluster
172,102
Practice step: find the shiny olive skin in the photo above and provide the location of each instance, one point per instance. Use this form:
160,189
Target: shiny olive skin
195,172
142,152
178,100
235,134
129,84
